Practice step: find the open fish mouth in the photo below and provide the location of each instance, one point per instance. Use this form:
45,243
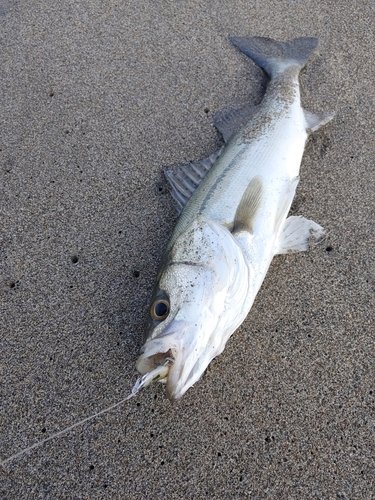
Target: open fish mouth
159,373
170,360
170,373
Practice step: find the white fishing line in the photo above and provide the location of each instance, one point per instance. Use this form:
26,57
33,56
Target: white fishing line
64,431
158,373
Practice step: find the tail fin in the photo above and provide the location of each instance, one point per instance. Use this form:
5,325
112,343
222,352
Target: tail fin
274,57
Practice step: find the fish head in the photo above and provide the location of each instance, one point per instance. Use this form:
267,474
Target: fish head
198,302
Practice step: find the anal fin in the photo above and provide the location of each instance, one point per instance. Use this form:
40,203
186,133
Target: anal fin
298,234
316,120
185,179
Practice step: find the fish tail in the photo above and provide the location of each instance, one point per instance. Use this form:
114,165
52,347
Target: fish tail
274,57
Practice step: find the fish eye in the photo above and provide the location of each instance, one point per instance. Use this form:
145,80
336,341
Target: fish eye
159,309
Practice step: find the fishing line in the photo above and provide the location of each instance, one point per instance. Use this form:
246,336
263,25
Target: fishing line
67,429
157,373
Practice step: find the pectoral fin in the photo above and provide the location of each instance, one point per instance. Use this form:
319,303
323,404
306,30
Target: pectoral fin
298,234
249,206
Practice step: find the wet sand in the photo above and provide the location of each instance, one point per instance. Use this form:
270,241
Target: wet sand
99,98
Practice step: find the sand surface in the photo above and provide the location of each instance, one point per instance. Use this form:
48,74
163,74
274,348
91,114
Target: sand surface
97,98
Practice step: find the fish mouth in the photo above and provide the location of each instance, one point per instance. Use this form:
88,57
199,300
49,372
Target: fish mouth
165,370
160,373
157,367
182,363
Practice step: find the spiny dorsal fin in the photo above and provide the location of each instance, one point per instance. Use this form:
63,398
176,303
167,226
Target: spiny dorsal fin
316,120
298,234
249,206
185,179
231,121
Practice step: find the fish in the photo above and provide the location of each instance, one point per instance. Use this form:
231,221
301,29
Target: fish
233,220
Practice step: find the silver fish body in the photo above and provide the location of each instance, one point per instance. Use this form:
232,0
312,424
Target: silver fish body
233,221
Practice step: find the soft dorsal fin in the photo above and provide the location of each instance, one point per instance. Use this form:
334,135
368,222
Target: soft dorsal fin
231,121
249,206
185,179
316,120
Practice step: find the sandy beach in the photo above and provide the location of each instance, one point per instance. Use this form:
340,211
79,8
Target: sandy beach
98,98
